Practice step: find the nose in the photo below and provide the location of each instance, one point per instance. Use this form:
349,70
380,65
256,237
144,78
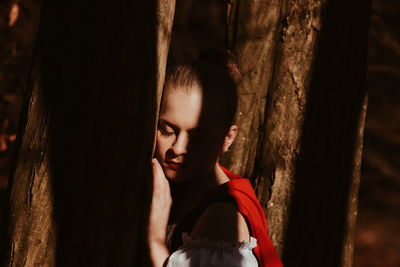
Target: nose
179,147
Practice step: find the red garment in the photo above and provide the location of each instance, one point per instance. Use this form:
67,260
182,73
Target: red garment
240,191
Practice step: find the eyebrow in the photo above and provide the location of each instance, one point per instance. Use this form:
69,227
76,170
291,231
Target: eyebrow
170,124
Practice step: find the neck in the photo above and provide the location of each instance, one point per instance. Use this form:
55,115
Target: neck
185,195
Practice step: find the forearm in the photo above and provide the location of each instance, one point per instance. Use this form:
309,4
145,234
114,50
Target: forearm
158,254
159,213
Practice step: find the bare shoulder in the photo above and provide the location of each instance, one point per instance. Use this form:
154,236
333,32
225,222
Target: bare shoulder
222,222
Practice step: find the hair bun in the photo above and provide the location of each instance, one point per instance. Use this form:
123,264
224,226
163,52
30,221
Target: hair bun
223,58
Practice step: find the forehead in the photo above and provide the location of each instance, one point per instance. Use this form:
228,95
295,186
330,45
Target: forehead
189,109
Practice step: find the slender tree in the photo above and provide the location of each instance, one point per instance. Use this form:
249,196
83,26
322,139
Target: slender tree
77,193
301,115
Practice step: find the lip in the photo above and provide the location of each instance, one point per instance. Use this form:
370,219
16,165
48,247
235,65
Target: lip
174,165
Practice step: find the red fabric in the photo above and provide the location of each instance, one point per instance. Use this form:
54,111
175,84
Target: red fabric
246,200
240,191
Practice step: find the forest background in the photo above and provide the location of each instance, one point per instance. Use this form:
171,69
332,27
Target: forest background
377,239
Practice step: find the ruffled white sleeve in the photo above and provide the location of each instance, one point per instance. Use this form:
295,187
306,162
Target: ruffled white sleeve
201,252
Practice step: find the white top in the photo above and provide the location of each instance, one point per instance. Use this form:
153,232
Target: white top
201,252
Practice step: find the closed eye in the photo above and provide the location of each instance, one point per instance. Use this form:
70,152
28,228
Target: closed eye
166,133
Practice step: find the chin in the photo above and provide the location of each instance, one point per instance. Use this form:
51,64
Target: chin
175,176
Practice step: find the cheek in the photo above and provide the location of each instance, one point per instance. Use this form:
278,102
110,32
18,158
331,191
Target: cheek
162,145
207,153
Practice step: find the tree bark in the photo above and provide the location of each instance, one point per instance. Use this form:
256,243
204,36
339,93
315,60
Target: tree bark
253,34
301,112
78,193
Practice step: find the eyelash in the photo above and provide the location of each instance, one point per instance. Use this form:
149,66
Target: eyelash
168,134
165,133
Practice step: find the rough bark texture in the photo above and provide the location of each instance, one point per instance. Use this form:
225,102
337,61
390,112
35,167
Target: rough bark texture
304,89
85,140
253,32
286,111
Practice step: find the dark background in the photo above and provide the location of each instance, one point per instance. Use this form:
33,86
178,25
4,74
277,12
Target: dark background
377,234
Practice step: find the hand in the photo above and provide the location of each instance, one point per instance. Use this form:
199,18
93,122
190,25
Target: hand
160,206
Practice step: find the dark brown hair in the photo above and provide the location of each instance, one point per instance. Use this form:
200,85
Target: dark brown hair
214,73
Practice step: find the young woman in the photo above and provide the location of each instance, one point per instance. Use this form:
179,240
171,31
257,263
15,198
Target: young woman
202,214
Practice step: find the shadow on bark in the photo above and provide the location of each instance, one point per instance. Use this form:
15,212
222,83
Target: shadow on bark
326,179
96,68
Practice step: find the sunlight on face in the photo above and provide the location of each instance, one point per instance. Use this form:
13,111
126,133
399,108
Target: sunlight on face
189,138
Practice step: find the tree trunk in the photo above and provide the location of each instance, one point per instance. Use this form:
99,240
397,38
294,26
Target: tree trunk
301,113
87,133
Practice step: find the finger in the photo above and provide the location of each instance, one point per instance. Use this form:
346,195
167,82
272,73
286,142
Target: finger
159,179
155,163
157,169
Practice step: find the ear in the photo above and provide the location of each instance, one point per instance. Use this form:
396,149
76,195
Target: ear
229,138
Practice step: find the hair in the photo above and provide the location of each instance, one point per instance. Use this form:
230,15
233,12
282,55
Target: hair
214,74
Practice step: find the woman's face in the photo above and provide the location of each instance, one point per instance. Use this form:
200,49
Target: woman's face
189,135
